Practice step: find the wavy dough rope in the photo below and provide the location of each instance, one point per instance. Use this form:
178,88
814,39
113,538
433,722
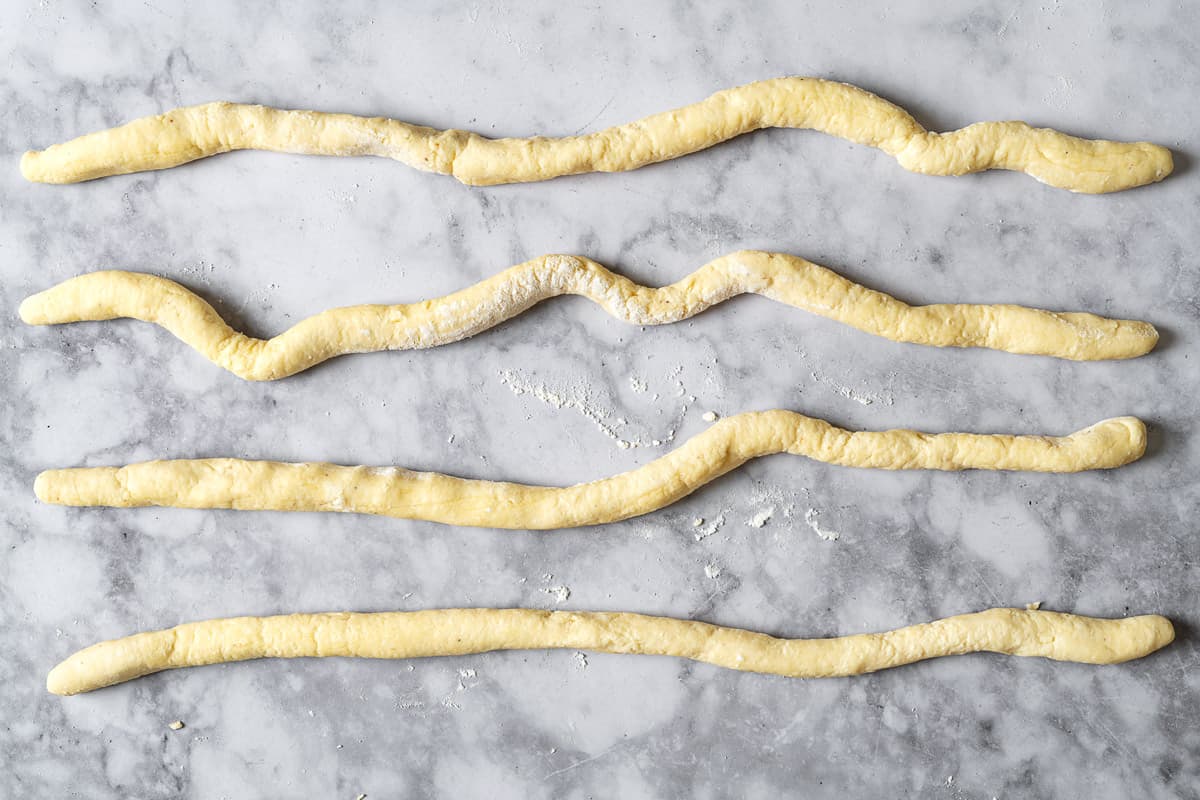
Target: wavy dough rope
787,279
187,134
462,631
730,442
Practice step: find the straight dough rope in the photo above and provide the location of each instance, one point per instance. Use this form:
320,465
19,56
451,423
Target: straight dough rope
786,279
463,631
187,134
726,445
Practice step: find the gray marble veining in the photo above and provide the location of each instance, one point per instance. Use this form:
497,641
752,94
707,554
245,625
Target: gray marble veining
273,238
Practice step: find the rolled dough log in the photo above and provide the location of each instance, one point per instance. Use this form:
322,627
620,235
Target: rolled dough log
787,279
187,134
728,443
460,631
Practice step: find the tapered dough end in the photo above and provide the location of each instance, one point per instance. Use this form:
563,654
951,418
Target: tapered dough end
166,140
74,300
1148,163
79,487
1159,161
51,166
1143,338
1101,167
1086,337
1159,633
99,295
1081,639
1137,435
43,486
1103,641
1130,638
63,680
32,168
1129,339
62,163
33,309
1121,441
112,662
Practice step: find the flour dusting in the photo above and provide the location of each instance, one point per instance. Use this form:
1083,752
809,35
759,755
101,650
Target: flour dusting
810,517
465,675
560,593
761,518
581,397
714,526
860,397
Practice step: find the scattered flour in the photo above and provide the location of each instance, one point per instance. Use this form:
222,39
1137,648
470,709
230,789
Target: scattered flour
560,593
582,659
199,270
713,527
810,517
581,398
709,416
783,501
465,675
761,518
1059,93
863,398
712,571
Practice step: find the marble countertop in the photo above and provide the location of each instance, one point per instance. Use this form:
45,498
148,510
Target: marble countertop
549,396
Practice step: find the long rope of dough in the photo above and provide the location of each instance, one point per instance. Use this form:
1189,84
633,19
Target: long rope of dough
462,631
787,279
392,491
194,132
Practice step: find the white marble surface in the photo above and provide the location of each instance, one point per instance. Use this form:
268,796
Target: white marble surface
273,238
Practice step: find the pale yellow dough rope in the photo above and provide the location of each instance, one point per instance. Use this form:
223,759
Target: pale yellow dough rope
396,492
187,134
462,631
787,279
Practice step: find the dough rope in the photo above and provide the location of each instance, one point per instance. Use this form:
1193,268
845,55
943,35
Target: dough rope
462,631
787,279
187,134
726,445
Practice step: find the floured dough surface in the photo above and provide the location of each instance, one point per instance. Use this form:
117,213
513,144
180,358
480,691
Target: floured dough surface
787,279
727,444
451,632
187,134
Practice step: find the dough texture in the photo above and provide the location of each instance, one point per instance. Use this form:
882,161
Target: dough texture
460,631
787,279
727,444
187,134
